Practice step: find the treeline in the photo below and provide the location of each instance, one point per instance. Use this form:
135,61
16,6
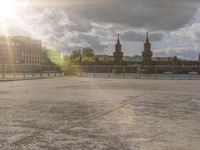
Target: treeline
86,54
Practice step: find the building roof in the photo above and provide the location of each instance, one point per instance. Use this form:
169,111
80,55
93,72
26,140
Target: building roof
165,58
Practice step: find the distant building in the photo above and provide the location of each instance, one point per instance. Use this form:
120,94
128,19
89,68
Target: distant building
148,60
133,59
137,58
20,50
168,59
147,53
118,54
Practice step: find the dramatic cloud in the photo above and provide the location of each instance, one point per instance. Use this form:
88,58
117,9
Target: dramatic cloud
67,25
148,14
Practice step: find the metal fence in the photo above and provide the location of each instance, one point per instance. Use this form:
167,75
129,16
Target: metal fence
139,72
12,72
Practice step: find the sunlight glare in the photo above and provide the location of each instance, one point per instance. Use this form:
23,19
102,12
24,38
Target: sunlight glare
8,8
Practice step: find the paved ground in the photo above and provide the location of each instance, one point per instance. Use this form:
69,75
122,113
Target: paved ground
167,76
84,114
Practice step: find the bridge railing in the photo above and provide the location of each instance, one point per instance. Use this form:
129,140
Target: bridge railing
9,71
139,72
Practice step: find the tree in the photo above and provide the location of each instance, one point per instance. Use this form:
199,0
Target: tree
88,52
75,56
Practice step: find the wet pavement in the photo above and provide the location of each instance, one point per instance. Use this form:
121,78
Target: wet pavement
100,114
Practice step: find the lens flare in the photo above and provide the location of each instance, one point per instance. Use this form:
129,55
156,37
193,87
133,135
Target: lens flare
56,57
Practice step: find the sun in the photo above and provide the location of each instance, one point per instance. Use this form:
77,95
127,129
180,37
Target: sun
9,8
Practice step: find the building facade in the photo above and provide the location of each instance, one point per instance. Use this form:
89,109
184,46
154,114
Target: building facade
20,51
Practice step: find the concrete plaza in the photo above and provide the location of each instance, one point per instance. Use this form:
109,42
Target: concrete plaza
98,114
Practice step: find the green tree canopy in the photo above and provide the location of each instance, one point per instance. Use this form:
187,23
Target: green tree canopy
88,52
75,54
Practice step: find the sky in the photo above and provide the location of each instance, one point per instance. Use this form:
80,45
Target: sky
66,25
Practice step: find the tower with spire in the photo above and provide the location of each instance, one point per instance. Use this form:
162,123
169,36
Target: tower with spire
118,54
199,57
147,53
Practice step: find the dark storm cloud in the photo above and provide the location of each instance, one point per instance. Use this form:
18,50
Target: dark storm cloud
141,36
148,14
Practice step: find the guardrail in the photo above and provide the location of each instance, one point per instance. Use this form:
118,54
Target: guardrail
139,72
12,72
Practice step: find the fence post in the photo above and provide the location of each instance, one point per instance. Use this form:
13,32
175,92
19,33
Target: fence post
86,71
81,70
124,71
3,71
132,69
48,70
55,70
60,73
24,74
94,71
40,71
32,68
139,72
155,72
14,71
108,71
172,72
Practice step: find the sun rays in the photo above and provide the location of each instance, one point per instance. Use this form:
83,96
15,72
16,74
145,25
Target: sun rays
9,10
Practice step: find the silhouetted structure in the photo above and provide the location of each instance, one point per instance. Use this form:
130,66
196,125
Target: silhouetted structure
118,55
199,57
147,53
146,64
163,61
